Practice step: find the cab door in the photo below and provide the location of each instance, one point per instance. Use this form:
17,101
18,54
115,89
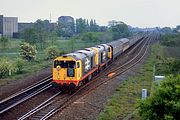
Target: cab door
79,69
110,52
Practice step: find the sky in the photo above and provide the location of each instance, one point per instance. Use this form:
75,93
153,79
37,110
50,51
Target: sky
137,13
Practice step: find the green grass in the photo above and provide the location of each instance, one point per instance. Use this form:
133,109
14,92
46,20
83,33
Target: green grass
123,102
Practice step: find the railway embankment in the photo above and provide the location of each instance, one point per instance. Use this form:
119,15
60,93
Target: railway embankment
123,102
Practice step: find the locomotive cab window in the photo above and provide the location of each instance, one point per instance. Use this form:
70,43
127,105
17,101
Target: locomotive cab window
65,64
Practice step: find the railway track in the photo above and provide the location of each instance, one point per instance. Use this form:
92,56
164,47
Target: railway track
25,94
57,103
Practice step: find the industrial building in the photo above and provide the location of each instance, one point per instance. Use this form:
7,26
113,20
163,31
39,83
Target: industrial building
24,26
8,26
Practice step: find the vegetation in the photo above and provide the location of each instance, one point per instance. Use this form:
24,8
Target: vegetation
5,67
119,31
82,26
170,40
19,65
168,66
123,102
164,103
28,52
4,42
30,36
52,52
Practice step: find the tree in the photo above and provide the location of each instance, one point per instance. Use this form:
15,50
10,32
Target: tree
30,36
81,25
4,42
53,37
166,30
172,40
93,26
119,31
42,31
164,102
27,52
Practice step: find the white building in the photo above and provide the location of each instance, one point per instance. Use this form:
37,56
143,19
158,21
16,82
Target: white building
10,26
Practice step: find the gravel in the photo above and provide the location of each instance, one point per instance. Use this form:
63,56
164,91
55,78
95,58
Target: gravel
17,85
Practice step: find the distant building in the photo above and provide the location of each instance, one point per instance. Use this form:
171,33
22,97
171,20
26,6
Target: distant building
24,26
66,25
66,19
1,24
114,23
8,26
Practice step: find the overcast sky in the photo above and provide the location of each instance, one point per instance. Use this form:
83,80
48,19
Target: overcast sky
141,13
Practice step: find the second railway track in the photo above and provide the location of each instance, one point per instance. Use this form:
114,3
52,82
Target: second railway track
25,94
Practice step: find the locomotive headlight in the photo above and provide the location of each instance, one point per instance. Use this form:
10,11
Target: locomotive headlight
58,67
70,72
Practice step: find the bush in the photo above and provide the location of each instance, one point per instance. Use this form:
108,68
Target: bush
27,52
5,67
19,63
52,52
164,103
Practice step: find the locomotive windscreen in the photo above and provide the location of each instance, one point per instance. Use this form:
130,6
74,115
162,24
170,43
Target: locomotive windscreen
65,64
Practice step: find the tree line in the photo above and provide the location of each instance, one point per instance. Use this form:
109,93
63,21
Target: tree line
43,32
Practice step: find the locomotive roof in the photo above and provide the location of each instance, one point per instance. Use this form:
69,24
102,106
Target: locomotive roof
76,55
115,42
124,40
100,49
87,52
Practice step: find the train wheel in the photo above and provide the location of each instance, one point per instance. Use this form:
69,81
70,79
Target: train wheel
64,88
72,88
56,87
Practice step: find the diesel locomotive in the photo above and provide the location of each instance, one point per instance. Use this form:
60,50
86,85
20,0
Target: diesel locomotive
74,69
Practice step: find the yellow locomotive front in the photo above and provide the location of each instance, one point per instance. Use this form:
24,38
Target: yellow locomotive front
67,71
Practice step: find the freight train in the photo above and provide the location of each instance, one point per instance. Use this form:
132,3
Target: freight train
74,69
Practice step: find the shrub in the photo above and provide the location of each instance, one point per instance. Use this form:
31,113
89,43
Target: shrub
52,52
27,52
164,103
5,67
18,64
